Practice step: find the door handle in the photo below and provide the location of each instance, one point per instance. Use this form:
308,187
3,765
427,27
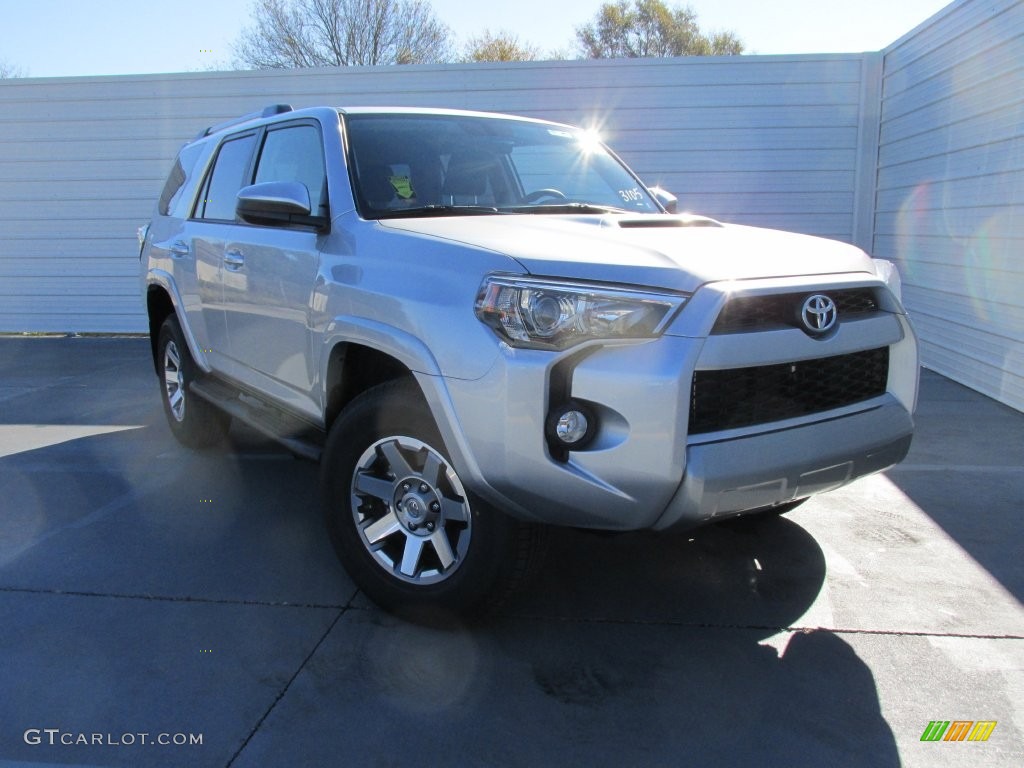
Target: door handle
234,259
179,249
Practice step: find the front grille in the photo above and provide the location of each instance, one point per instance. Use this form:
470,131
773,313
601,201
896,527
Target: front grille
742,397
747,313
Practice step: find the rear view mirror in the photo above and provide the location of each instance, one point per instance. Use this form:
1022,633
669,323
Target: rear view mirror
277,203
667,199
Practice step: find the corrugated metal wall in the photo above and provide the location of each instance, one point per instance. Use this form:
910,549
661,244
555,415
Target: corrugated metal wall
769,140
936,121
950,199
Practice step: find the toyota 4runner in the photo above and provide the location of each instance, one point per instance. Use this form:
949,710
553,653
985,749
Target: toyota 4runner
480,323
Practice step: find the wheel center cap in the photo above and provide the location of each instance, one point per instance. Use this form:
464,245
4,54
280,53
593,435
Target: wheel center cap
414,508
416,512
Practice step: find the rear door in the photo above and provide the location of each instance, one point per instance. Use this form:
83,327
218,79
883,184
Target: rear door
213,227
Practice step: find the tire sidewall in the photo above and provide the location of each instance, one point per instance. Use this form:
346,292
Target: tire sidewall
203,425
170,331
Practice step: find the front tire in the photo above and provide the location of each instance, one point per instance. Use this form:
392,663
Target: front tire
194,422
403,525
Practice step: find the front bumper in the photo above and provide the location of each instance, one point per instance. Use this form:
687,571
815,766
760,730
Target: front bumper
732,476
644,470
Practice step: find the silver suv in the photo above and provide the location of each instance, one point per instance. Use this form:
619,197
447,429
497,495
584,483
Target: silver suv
480,323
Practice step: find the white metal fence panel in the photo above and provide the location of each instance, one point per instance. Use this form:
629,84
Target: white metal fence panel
950,197
766,140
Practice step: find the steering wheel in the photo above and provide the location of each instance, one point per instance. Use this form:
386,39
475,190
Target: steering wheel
540,194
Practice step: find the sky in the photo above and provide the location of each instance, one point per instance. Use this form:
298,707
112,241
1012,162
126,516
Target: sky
57,38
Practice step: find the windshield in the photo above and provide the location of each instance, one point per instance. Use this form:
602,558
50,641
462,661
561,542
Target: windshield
426,165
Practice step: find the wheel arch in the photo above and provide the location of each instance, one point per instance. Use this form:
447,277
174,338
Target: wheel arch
352,369
360,353
159,282
158,307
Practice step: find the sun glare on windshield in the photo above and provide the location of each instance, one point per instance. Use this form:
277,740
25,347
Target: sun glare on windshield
590,141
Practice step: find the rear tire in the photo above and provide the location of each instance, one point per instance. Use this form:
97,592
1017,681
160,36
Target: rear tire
194,422
402,523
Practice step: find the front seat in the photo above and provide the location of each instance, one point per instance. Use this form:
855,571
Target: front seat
375,185
468,180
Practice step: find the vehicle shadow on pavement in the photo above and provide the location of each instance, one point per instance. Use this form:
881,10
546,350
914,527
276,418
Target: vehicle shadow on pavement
966,471
631,649
99,515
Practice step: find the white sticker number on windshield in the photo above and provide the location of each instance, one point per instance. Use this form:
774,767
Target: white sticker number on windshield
630,195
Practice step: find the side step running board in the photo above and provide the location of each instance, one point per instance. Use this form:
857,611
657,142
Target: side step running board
265,420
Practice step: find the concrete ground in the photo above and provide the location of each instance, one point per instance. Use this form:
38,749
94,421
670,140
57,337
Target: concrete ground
146,589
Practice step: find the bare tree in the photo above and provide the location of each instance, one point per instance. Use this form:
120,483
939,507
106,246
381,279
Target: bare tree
287,34
10,70
650,28
502,46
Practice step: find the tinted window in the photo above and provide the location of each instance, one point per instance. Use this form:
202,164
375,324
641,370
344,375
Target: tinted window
172,199
294,154
227,177
173,185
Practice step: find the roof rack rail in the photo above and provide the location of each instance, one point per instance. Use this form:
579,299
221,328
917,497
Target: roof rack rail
270,111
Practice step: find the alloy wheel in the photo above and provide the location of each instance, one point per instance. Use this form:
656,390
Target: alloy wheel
174,381
411,511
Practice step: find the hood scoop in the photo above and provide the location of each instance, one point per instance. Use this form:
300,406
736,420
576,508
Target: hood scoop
661,222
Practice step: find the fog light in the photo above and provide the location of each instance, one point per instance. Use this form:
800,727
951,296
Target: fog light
571,426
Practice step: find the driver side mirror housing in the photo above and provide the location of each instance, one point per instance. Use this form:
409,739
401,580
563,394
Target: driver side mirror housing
277,203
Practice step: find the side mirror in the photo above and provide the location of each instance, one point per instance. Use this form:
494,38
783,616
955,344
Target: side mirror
277,203
667,199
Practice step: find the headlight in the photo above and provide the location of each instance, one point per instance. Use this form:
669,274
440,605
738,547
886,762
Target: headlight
552,315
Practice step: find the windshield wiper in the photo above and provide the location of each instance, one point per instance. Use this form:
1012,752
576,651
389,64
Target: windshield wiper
563,208
439,210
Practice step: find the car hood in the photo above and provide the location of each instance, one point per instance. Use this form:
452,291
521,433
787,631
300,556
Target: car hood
675,252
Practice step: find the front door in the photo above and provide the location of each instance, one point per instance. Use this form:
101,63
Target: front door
269,274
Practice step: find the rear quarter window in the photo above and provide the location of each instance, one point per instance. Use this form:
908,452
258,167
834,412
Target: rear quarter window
174,200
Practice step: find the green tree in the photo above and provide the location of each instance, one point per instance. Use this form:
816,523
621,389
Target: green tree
503,46
650,28
288,34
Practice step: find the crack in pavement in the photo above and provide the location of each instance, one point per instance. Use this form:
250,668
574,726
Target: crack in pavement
763,627
523,616
345,609
177,598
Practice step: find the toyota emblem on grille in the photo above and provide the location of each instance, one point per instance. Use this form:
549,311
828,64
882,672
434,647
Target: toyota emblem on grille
818,313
